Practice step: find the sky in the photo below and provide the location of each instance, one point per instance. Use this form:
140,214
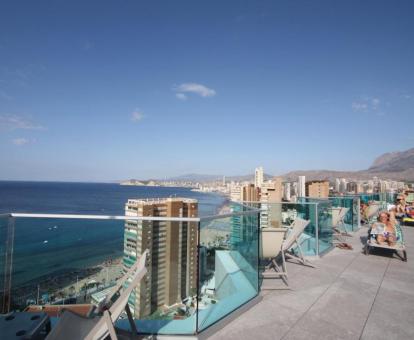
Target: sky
109,90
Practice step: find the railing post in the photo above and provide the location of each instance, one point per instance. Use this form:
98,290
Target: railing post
198,275
259,238
8,265
317,228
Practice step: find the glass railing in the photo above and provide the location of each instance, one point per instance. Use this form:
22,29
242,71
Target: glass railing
229,265
352,217
317,237
4,219
199,269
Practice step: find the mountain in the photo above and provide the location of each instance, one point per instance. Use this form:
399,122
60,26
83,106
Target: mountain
394,162
397,165
393,165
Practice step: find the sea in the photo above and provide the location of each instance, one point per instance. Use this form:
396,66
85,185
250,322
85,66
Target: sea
48,247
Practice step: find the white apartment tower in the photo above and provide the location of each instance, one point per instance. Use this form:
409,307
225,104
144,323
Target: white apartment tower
286,191
258,177
301,186
342,186
337,185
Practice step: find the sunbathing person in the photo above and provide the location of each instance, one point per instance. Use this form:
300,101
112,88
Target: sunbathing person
363,208
400,207
384,230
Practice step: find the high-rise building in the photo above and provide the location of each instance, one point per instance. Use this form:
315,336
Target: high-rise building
286,191
301,186
270,198
337,185
235,192
172,245
249,193
317,189
295,189
342,185
352,187
259,177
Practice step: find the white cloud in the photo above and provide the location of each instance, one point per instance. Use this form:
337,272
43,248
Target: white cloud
359,106
137,115
20,141
14,122
366,104
181,96
195,88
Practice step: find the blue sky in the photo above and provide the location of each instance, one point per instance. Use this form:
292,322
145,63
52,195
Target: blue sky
117,89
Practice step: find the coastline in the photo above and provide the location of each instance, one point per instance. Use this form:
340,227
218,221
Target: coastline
71,283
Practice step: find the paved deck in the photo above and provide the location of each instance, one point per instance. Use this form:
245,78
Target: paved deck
349,296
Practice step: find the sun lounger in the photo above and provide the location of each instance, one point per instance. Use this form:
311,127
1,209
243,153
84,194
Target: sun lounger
398,247
338,224
74,326
271,250
371,212
292,242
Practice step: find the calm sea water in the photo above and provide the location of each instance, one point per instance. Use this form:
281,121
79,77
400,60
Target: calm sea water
50,246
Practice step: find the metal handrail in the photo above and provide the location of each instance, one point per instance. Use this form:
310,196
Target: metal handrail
133,218
106,217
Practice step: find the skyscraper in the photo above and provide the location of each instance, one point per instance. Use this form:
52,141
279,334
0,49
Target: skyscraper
286,191
270,198
172,260
337,185
317,189
258,177
342,186
301,186
249,193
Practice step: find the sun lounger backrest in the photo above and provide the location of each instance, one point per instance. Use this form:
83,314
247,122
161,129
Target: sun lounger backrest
335,215
138,270
296,228
272,240
342,214
373,209
119,305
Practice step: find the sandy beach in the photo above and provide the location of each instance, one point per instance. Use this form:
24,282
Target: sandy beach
105,273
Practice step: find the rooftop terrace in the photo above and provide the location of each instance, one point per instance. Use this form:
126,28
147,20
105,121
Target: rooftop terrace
348,296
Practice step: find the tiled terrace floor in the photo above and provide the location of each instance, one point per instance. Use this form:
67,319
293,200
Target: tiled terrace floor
348,296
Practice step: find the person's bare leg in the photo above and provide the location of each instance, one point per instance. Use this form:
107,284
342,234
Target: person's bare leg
391,240
380,239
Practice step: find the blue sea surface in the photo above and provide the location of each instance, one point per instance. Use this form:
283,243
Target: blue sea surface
49,246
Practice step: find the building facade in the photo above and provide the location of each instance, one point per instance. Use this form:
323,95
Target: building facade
172,245
249,193
317,189
258,177
301,186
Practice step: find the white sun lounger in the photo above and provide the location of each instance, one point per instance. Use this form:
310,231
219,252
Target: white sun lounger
292,242
74,326
338,217
271,249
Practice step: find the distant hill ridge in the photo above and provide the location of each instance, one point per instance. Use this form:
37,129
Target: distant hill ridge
392,165
397,165
207,178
